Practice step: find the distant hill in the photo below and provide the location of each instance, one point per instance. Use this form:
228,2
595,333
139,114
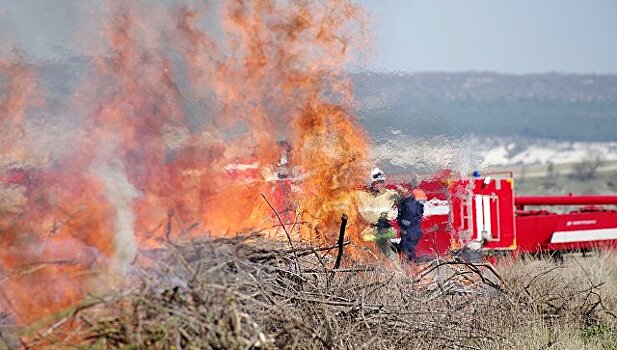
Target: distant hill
563,107
572,107
569,107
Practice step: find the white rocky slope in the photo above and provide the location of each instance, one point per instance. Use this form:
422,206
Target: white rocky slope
404,152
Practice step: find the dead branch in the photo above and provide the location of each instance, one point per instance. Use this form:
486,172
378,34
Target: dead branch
284,230
341,238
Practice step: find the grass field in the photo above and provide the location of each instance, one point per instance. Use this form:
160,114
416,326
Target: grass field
565,178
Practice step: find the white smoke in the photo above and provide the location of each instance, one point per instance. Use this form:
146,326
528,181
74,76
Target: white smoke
120,193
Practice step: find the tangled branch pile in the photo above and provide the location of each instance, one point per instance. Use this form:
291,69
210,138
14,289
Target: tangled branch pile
250,293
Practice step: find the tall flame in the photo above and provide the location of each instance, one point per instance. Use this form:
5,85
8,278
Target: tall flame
178,133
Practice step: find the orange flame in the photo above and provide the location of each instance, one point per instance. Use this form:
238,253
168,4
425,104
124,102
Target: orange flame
181,134
15,96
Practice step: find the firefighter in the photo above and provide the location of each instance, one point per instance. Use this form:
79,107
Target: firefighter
410,211
377,206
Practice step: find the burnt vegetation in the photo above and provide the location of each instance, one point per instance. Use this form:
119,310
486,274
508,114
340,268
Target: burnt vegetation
251,293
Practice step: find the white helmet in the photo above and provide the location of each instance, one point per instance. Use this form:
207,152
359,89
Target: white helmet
377,175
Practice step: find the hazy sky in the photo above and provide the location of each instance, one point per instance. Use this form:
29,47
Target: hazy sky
514,36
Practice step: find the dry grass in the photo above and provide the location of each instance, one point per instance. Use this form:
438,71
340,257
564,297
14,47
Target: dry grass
249,293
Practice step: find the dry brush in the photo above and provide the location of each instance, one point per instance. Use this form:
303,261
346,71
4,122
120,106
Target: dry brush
251,293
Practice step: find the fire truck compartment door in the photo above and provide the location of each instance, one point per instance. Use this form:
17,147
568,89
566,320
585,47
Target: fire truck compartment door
486,218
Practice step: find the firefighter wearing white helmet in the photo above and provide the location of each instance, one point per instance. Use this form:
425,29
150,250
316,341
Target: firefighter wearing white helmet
377,176
377,206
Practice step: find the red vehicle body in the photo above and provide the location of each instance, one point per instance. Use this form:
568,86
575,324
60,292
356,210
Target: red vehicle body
486,216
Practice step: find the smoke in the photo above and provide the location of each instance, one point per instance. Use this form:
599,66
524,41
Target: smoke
119,191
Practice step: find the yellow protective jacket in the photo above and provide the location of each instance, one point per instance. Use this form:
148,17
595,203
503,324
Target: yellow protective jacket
373,205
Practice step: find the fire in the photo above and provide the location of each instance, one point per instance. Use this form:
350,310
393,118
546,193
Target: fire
16,95
163,110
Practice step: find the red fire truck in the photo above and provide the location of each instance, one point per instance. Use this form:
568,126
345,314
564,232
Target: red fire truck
485,215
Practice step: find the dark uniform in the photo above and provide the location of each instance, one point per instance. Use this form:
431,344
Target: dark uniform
409,218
